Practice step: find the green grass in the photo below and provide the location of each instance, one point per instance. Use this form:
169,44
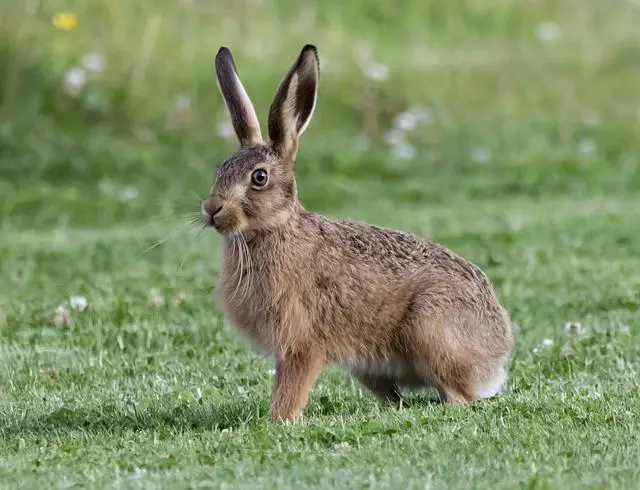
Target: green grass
132,394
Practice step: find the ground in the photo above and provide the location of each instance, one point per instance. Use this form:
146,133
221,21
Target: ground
518,148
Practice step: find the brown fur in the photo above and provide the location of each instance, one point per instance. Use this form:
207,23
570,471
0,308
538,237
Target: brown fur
398,311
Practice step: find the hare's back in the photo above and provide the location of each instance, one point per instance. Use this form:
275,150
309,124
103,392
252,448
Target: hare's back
395,250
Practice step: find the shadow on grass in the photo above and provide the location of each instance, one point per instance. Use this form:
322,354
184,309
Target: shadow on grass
112,418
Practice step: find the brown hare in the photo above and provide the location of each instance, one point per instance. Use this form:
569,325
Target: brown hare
396,311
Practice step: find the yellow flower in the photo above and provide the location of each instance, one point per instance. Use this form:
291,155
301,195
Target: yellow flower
66,21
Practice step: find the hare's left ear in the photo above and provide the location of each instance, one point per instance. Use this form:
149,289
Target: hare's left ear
294,102
243,116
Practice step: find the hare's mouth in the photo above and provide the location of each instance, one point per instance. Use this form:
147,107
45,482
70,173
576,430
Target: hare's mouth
222,226
214,218
225,224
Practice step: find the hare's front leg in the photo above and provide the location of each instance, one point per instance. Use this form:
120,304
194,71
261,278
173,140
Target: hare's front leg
295,375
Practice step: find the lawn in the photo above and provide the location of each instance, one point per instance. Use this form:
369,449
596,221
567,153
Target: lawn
515,144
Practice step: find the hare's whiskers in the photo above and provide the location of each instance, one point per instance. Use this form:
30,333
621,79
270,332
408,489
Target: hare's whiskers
249,279
239,262
166,239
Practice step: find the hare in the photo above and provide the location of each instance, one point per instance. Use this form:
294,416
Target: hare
395,310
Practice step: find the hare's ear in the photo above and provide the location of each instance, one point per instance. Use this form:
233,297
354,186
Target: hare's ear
243,116
293,104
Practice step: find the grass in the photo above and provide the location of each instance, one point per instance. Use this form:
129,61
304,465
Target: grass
528,167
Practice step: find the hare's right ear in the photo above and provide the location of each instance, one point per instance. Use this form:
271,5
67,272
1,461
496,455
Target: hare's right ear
294,102
243,116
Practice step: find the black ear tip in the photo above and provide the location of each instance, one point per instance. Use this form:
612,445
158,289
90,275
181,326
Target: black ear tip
224,58
310,47
223,52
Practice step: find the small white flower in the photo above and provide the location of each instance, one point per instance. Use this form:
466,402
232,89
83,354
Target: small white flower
481,154
624,329
594,394
271,372
107,187
423,115
548,31
138,473
155,298
409,119
179,299
129,194
547,342
159,382
535,350
376,71
516,222
225,130
78,303
341,446
93,62
405,121
183,102
573,327
403,151
62,316
198,393
587,146
75,80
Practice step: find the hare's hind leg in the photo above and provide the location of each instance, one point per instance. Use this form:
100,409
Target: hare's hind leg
450,395
382,387
485,386
493,381
450,354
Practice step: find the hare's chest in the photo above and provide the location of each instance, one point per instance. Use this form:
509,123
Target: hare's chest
246,320
254,334
262,300
247,310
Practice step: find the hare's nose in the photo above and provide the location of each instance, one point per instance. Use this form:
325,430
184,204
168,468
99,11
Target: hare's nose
210,208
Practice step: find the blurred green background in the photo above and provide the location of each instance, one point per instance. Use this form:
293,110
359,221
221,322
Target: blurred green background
518,97
505,129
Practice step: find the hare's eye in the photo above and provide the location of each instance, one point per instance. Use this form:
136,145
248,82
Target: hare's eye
259,177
